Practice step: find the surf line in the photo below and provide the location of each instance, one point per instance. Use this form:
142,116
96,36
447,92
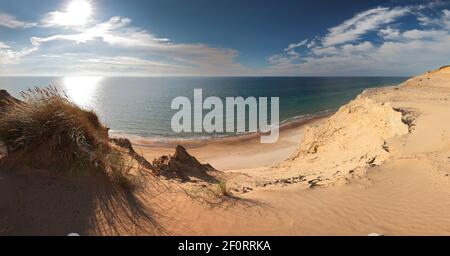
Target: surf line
235,112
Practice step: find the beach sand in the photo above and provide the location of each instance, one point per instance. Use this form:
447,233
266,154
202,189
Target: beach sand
234,153
380,164
401,187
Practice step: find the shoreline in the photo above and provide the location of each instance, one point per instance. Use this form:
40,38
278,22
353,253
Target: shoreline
234,153
406,193
378,165
193,142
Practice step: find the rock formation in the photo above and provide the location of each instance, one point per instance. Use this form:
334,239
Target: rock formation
183,166
126,144
5,99
348,143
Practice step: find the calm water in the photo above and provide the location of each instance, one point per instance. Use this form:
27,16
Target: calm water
141,106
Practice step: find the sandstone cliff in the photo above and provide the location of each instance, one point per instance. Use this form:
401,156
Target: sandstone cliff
349,142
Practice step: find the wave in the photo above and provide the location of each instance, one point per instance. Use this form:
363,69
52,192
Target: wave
160,140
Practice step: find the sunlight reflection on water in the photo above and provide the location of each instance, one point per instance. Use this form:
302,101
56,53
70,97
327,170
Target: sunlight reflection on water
82,89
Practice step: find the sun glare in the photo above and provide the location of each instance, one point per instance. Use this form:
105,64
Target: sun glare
81,89
77,13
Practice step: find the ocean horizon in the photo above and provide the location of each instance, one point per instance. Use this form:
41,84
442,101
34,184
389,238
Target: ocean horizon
235,119
141,106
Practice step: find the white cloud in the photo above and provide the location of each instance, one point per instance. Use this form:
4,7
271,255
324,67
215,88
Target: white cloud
416,34
104,31
321,51
346,50
312,43
9,55
76,13
357,48
127,61
293,46
389,33
115,46
129,65
4,46
290,50
445,20
349,31
117,32
9,21
277,59
362,23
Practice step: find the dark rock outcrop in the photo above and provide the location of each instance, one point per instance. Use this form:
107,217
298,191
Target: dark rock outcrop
183,166
126,144
6,99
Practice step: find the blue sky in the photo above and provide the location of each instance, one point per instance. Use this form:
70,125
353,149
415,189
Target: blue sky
223,38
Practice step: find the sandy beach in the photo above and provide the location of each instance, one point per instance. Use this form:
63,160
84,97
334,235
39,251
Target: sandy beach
403,192
237,152
179,120
380,164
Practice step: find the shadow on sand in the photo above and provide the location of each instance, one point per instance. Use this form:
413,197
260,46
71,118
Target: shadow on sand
35,202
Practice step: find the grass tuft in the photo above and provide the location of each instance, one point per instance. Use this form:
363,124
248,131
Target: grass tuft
47,130
222,189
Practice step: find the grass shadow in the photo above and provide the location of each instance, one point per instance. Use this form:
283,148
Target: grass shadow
37,202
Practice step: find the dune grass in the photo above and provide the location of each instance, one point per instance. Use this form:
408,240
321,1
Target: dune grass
222,189
47,130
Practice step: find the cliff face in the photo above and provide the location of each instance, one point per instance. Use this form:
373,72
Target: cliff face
183,166
362,123
5,99
349,142
380,124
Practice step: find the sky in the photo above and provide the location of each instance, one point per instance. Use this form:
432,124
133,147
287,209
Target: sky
223,38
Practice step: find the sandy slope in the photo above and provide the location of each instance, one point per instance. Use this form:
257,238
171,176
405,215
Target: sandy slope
404,191
380,164
234,153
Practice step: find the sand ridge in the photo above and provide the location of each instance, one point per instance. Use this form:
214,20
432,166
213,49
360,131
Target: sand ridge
391,146
380,164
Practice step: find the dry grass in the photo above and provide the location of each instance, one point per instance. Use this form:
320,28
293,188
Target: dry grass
213,194
222,189
126,171
47,130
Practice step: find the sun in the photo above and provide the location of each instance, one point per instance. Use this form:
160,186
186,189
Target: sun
76,13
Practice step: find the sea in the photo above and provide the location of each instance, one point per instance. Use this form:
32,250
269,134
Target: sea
141,106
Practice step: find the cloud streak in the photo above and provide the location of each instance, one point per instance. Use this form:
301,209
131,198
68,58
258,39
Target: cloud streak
373,42
9,55
362,23
118,32
9,21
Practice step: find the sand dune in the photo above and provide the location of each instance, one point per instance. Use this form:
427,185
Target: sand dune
390,147
380,164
